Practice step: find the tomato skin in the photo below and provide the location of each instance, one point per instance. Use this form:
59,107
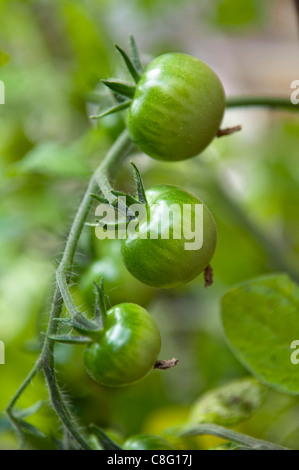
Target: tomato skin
165,263
177,107
127,349
147,442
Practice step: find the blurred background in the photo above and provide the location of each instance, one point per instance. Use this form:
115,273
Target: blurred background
52,56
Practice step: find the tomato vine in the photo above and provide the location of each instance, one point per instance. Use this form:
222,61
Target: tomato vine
120,150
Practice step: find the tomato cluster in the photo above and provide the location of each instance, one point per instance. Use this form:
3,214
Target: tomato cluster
175,109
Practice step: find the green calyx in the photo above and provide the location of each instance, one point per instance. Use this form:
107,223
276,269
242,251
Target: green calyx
122,91
89,330
123,202
141,197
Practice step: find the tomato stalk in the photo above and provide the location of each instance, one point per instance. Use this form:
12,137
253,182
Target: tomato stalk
249,442
46,363
263,101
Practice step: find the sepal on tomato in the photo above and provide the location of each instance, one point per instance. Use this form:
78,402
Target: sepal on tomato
120,87
135,73
123,92
91,330
140,186
114,109
67,339
135,55
82,325
100,306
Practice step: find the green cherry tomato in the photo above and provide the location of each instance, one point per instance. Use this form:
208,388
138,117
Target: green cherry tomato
126,350
147,442
155,255
177,107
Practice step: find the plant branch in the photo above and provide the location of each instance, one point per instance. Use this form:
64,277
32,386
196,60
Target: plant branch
13,401
263,101
230,435
100,179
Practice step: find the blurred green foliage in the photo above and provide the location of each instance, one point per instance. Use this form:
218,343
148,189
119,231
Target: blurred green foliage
54,53
230,14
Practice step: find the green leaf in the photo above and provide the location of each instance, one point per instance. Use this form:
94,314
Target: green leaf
30,429
230,404
120,87
25,413
104,440
5,424
51,159
261,320
227,13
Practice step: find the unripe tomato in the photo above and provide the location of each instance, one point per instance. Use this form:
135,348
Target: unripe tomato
166,262
147,442
126,350
177,107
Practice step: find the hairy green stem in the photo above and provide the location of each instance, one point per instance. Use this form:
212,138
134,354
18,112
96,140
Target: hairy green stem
13,401
100,180
262,101
117,153
48,366
230,435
